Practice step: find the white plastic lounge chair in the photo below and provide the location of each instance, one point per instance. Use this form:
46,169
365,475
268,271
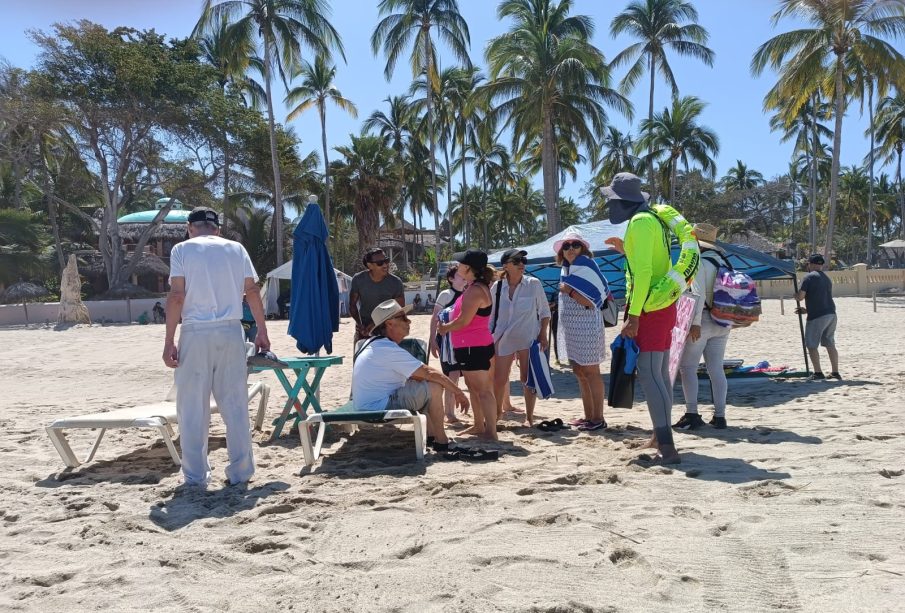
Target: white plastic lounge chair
347,415
161,416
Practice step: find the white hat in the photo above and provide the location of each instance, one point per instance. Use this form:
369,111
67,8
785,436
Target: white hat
387,310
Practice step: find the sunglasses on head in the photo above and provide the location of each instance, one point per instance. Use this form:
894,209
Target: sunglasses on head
517,260
379,262
575,245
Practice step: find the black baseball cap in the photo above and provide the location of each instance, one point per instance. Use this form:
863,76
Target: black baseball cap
512,253
816,259
203,213
473,258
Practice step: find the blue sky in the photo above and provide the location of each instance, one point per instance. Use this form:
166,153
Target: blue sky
734,97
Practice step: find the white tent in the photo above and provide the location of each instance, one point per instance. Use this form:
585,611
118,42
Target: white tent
272,288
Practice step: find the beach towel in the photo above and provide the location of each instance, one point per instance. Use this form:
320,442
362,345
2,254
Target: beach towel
446,348
585,278
621,393
539,378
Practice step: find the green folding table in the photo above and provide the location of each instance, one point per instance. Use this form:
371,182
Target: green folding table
302,367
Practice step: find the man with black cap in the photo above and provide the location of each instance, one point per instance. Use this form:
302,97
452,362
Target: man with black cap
646,249
817,293
208,276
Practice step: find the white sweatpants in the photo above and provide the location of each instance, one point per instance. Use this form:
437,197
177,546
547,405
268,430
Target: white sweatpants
711,345
212,361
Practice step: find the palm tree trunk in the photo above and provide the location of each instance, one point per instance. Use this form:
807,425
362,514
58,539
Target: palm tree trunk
834,170
428,62
672,182
323,113
548,164
650,120
901,194
54,223
870,189
465,229
452,233
812,205
274,156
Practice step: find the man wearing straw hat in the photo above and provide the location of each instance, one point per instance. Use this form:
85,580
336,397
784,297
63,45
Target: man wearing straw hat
705,338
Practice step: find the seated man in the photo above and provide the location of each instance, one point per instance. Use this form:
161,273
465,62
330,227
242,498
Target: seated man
416,303
385,376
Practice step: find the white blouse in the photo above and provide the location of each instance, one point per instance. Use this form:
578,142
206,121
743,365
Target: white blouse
518,323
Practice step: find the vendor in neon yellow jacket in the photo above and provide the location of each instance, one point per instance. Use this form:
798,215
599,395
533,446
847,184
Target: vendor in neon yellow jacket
648,268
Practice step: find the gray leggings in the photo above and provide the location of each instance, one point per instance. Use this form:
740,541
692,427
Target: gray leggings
653,374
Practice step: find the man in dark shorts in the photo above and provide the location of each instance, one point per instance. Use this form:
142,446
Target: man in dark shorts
371,287
817,293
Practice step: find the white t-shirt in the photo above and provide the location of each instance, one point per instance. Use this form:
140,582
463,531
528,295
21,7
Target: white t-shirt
380,369
215,270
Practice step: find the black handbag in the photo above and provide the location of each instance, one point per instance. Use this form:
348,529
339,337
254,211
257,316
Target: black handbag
621,393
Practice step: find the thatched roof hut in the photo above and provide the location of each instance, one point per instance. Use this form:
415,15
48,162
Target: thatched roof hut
149,264
172,227
126,290
23,291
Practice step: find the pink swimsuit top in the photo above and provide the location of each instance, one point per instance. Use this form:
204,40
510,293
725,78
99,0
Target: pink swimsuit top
476,333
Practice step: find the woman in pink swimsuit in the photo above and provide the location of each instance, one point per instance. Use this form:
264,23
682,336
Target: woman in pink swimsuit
472,341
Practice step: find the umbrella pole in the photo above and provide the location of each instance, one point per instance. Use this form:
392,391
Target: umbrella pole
25,308
807,365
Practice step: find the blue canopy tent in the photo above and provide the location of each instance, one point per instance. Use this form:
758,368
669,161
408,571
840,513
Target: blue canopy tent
542,263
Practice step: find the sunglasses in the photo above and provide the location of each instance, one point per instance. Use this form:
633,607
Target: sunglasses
575,245
379,262
517,260
401,316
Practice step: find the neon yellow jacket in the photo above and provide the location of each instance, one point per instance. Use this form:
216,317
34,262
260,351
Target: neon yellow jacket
647,258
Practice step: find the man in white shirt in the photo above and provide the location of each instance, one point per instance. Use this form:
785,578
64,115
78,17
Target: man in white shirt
386,376
705,338
208,276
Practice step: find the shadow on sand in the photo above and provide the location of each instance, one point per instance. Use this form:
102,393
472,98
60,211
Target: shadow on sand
727,470
189,504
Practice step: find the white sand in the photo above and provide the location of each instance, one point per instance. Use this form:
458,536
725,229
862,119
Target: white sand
800,505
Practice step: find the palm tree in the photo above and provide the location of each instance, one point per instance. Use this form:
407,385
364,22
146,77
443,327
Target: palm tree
550,82
805,127
282,26
618,155
820,56
394,32
658,26
316,89
891,137
675,133
741,178
368,176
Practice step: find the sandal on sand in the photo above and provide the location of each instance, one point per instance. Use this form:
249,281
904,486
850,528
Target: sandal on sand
471,455
553,425
578,422
592,425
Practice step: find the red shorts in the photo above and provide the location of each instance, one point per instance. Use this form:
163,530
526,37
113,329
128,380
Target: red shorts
655,329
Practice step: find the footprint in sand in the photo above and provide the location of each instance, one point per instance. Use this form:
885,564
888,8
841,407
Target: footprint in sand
625,556
889,474
687,512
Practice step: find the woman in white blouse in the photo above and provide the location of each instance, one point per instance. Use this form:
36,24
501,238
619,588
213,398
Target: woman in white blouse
520,316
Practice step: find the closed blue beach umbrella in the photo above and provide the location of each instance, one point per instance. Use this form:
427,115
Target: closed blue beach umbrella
314,307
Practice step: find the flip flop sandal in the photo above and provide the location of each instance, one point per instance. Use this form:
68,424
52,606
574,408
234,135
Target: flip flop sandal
547,426
558,424
578,422
656,460
478,455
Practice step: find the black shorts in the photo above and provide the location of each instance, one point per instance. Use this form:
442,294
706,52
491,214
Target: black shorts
449,368
474,358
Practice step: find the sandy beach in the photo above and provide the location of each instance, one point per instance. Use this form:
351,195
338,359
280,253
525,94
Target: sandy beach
799,505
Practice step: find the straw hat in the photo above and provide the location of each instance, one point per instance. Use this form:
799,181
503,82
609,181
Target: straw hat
706,234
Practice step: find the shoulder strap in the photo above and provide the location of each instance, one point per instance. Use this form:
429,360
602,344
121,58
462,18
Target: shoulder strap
716,258
364,345
496,310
